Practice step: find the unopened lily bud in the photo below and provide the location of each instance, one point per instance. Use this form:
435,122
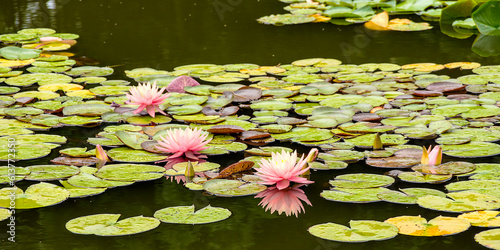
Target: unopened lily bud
377,143
313,153
189,170
101,156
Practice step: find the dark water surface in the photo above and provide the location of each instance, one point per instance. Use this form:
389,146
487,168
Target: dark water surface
163,34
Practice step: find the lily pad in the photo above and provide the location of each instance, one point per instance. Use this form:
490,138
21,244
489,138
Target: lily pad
417,177
359,231
472,150
37,195
464,201
489,238
408,195
132,155
482,218
230,188
108,225
51,172
188,215
130,172
353,195
342,155
77,192
84,180
361,181
439,226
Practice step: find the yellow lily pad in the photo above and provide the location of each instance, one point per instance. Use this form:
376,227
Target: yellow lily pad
439,226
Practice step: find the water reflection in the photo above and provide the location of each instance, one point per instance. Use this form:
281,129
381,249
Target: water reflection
180,178
288,200
486,45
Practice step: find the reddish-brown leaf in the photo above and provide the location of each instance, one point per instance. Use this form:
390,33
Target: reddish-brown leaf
235,168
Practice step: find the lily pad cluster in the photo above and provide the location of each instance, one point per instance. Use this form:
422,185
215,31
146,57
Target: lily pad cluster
317,102
351,12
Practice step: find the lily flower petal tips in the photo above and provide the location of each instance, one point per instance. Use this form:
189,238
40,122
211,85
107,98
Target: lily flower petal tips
148,97
282,169
184,142
432,157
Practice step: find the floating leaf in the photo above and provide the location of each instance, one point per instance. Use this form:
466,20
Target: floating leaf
359,231
37,195
353,195
108,225
361,181
188,215
439,226
230,188
130,172
489,238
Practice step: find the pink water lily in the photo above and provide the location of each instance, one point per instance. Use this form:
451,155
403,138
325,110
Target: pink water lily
432,157
282,169
288,200
187,142
148,97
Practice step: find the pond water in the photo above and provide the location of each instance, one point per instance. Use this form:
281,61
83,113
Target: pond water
165,34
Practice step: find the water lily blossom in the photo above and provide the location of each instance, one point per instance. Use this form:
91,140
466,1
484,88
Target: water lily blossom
187,142
101,155
148,97
432,157
288,200
282,169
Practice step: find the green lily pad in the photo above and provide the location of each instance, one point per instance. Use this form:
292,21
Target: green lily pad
188,215
454,168
353,195
366,141
90,71
77,192
417,177
130,172
132,139
25,151
4,213
40,78
85,180
186,99
230,188
359,231
328,165
342,155
285,19
147,120
51,172
87,109
464,201
339,100
131,155
472,150
108,225
485,171
37,195
475,134
198,167
408,195
76,120
271,105
473,184
489,238
16,53
361,181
